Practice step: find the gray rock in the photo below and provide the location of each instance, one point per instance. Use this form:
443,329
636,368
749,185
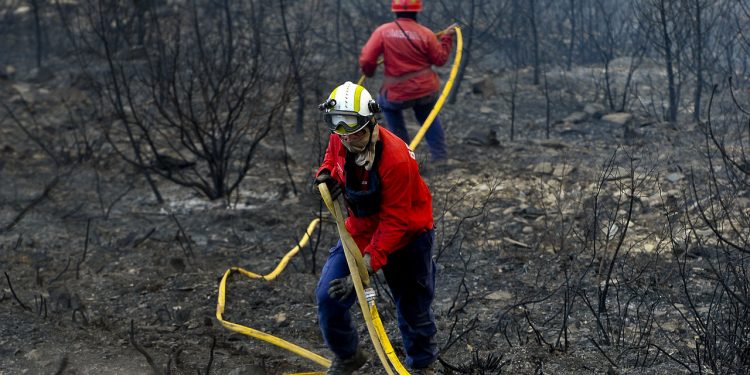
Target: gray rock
562,170
621,173
499,295
482,138
595,110
619,118
170,163
483,86
544,167
34,355
25,91
531,213
516,243
576,117
550,143
674,177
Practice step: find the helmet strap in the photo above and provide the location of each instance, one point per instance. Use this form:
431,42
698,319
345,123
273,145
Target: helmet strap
369,141
371,124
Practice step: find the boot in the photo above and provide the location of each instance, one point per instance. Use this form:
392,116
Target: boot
429,370
349,365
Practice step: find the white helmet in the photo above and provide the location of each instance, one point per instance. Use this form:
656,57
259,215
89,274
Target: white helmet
349,108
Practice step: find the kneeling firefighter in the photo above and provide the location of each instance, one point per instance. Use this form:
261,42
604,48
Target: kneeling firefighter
390,219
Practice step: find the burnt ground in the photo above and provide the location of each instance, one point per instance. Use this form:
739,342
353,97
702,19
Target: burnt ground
88,251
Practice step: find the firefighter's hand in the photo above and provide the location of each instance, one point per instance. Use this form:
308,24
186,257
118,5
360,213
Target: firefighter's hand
449,31
368,263
341,289
333,186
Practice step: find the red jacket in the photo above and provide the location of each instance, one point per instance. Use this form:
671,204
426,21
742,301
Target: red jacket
401,58
405,200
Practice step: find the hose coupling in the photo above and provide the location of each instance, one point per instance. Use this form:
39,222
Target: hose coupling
370,295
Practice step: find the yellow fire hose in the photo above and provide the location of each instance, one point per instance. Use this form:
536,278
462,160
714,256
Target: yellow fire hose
443,95
360,277
258,334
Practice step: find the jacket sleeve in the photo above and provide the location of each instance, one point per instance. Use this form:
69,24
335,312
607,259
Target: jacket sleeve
368,58
329,160
439,50
393,224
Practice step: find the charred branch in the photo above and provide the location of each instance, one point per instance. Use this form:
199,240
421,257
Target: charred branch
211,355
156,370
29,134
85,249
34,202
62,366
67,265
15,296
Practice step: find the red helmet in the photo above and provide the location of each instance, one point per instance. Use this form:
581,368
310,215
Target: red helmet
406,6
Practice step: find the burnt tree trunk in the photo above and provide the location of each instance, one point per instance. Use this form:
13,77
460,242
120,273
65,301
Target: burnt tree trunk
668,61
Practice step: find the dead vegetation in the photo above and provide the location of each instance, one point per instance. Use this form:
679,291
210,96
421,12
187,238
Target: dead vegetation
145,147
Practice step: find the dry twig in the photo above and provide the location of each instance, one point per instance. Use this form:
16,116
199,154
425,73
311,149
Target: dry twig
14,293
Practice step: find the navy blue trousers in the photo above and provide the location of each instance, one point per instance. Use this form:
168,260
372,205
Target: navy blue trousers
410,274
394,118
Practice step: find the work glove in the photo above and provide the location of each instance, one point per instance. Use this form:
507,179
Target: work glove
333,186
341,289
368,263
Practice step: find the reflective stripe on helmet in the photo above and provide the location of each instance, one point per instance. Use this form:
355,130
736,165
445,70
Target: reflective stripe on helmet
357,97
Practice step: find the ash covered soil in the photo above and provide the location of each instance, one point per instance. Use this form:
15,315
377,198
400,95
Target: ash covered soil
95,268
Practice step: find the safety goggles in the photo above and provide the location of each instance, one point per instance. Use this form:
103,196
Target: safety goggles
345,122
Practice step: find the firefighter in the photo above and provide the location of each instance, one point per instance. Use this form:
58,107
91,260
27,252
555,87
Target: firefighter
409,50
390,219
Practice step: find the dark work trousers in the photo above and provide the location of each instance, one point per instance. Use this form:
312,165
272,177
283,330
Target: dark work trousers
410,274
394,118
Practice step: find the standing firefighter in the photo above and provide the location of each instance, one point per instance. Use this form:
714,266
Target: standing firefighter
409,50
390,219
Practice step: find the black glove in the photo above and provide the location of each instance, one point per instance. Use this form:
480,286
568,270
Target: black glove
333,186
340,289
